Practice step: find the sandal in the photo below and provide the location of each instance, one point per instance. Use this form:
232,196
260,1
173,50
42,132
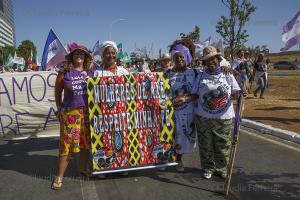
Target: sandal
57,183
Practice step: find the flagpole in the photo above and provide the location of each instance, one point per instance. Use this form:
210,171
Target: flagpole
239,113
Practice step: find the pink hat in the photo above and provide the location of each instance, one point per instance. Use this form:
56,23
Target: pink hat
74,46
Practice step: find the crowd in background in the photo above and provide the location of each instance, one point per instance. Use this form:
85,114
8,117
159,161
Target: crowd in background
29,66
252,69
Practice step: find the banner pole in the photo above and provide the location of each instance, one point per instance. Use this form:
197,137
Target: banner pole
239,109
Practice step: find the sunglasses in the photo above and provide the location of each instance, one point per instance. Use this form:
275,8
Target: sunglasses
79,54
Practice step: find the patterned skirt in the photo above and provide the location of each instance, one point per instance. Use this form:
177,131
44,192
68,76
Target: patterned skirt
74,131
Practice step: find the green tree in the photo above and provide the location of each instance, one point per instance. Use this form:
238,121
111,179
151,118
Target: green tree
231,28
25,48
194,35
5,51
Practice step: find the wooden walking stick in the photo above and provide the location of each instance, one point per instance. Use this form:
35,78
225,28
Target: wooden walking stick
238,116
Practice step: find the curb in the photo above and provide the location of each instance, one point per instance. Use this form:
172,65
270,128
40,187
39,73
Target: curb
270,130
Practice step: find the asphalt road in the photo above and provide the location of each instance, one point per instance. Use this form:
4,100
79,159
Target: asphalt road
264,169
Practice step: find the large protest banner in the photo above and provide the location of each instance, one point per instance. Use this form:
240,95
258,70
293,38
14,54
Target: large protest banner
27,104
131,122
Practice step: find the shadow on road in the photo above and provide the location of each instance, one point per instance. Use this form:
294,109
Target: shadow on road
266,186
33,157
38,158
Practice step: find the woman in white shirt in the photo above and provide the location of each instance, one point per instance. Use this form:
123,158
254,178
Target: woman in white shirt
214,112
109,67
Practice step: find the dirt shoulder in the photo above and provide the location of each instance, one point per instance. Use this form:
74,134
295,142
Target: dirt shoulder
281,106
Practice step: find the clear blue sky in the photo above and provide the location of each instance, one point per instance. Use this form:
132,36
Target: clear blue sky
152,21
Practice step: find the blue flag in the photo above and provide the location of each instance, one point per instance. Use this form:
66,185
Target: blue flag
54,52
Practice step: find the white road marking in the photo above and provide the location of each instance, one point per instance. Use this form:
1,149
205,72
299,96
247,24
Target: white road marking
88,190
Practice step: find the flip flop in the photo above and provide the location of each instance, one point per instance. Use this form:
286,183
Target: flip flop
57,183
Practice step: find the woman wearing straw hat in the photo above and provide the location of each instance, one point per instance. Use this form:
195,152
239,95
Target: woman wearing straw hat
72,110
214,113
182,78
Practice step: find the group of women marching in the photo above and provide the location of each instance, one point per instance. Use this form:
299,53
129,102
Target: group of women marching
201,99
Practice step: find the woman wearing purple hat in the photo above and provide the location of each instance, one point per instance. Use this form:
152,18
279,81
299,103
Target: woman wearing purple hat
72,110
182,79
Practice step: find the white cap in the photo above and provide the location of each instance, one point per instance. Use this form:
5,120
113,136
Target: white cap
106,44
165,56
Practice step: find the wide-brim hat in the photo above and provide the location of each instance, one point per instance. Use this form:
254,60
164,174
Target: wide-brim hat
74,47
209,52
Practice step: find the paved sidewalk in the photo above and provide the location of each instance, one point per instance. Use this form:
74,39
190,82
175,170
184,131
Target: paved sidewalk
267,129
